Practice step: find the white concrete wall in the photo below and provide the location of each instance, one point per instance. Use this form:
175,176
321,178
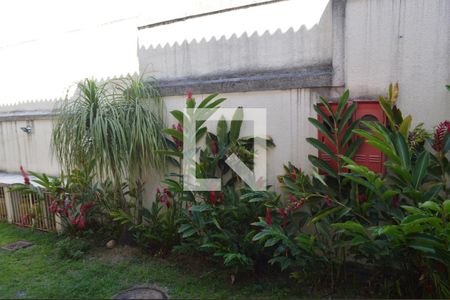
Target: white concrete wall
287,124
30,150
282,35
404,41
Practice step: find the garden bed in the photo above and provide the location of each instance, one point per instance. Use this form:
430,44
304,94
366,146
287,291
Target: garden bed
36,272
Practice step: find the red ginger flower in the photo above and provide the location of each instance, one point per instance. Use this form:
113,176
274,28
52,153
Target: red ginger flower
362,198
214,147
86,206
395,202
441,130
179,128
328,201
268,216
283,213
212,197
293,176
26,178
189,94
54,206
81,222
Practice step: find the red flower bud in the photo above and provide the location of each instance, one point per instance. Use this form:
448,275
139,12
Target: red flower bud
395,202
441,130
268,216
283,213
328,201
189,94
26,178
214,147
362,198
212,197
81,222
53,207
292,198
293,176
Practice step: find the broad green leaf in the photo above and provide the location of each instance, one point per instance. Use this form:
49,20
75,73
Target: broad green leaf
327,106
403,151
322,147
207,100
170,153
178,115
322,165
350,226
342,102
446,207
222,132
351,151
386,106
173,132
430,205
324,213
420,169
404,126
348,113
447,143
322,114
349,133
322,129
236,123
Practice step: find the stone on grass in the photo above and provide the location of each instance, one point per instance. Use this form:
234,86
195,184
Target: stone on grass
143,292
111,244
17,245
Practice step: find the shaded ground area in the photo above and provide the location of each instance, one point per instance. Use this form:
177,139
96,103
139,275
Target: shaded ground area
37,272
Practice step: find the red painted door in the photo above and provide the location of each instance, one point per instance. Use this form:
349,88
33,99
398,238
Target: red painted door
368,155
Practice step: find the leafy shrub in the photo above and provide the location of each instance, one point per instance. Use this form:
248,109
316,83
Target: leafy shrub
75,198
72,248
389,231
216,223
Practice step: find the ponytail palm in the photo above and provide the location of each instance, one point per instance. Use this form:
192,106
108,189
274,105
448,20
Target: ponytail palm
117,125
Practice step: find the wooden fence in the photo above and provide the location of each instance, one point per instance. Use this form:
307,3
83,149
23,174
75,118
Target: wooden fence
26,210
3,211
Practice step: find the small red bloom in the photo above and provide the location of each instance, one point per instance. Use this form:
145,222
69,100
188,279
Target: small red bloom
53,206
189,94
189,207
268,216
214,147
179,128
283,213
167,192
362,198
212,197
441,130
81,222
395,202
260,182
85,207
26,178
328,201
292,198
293,176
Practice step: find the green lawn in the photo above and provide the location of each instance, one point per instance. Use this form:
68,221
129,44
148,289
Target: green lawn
37,272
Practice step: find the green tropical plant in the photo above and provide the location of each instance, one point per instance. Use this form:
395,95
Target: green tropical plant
118,126
215,223
336,126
